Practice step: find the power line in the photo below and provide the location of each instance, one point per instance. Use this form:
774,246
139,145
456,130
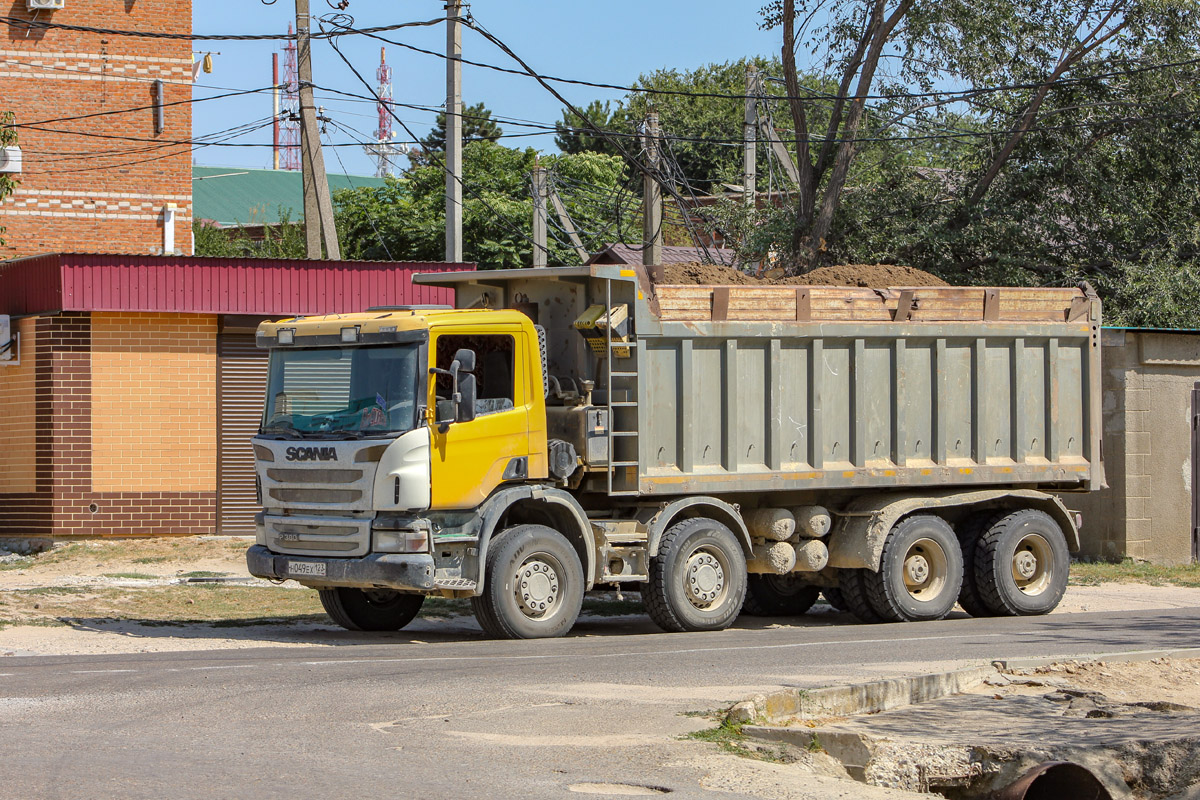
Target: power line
440,161
189,101
31,24
469,21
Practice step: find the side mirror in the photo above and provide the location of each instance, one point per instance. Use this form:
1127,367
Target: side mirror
465,359
464,406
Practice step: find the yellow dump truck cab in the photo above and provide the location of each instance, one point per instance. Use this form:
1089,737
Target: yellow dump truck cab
722,449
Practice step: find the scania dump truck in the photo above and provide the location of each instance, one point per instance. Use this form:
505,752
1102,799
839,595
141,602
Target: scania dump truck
720,449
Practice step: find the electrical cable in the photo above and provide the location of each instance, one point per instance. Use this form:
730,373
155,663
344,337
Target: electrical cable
29,24
370,216
439,161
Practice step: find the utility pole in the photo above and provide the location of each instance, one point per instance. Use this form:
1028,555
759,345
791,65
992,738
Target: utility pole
454,187
652,197
318,207
275,109
750,138
540,214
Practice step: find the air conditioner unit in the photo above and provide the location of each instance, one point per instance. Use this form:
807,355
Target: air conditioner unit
10,159
45,5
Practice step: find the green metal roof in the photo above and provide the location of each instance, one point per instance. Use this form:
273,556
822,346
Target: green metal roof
233,196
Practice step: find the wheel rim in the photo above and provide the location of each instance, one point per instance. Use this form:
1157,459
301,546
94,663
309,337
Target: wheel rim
785,585
1032,565
381,598
704,579
926,570
537,585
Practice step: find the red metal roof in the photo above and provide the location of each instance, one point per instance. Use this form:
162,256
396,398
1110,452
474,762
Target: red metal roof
188,284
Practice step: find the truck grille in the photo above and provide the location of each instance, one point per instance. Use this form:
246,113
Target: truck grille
314,496
333,536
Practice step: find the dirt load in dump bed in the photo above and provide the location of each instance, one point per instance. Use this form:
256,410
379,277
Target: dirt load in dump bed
875,276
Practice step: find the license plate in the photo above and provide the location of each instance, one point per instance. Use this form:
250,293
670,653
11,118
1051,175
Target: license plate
306,568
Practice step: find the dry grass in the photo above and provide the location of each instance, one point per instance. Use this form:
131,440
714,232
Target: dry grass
1130,571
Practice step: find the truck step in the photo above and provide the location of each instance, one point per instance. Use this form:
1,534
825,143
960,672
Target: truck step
458,584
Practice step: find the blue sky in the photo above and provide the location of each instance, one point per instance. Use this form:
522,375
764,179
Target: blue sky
611,42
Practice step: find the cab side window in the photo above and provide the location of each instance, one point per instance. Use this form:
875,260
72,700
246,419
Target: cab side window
494,369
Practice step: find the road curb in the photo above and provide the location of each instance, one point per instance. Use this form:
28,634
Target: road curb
859,698
1127,655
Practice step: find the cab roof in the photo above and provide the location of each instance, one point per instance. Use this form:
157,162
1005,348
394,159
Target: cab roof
392,320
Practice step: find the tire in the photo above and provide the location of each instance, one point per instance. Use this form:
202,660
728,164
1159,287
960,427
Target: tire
852,586
778,596
370,609
533,585
970,531
920,571
1021,565
835,598
698,579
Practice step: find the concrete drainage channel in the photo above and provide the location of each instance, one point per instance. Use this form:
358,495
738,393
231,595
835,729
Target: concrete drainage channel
992,732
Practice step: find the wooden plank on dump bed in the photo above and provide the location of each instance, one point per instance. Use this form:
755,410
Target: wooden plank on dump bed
858,304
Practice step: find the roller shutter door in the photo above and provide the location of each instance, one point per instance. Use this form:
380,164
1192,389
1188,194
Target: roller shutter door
241,384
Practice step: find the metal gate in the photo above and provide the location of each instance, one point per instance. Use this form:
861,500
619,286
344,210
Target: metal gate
241,384
1196,472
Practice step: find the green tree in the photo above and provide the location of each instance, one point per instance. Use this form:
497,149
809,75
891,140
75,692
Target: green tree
283,240
477,124
8,138
405,219
1015,60
574,135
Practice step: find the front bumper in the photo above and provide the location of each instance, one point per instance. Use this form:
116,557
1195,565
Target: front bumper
403,571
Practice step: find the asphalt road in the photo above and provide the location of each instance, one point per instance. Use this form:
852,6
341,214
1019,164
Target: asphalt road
453,715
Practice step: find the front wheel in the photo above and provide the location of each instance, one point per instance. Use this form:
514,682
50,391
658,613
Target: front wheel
1021,565
920,571
698,579
778,596
533,587
370,609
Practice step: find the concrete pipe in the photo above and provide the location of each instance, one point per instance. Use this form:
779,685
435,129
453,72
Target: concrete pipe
811,556
777,558
812,522
775,524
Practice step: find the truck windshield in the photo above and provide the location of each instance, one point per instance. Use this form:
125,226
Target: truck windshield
342,390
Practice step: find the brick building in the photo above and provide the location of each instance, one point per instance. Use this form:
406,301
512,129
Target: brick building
102,182
138,384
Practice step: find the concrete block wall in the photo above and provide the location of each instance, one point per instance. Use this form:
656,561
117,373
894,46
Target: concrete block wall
1145,513
98,184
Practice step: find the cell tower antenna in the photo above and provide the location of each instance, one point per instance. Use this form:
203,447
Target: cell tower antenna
289,112
383,150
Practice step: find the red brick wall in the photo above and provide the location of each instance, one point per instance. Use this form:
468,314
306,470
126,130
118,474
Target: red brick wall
88,193
65,503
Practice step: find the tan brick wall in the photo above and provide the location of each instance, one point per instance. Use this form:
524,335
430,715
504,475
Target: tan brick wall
97,184
18,418
154,402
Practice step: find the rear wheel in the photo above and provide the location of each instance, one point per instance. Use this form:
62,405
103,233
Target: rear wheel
970,531
835,598
1021,564
852,585
920,571
533,587
698,579
778,596
370,609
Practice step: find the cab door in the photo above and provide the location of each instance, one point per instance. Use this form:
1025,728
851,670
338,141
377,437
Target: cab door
470,459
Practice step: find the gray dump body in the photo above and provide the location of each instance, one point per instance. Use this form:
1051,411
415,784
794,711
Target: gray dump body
813,389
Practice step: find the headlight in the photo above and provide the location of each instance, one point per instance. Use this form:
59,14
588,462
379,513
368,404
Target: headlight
406,541
286,335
